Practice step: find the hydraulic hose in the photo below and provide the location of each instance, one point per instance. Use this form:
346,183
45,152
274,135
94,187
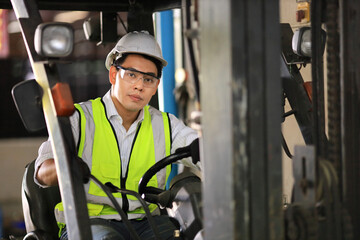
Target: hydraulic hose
143,203
123,216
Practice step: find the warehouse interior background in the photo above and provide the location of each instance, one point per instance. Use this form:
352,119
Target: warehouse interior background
18,147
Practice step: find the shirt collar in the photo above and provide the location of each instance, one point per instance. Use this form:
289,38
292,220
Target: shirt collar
112,112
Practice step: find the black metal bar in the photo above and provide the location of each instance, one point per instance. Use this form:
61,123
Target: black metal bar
140,18
325,227
108,27
350,94
334,108
104,5
271,34
190,49
264,136
257,136
241,171
317,71
332,223
291,112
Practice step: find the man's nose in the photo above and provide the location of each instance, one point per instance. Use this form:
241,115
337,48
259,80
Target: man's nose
139,84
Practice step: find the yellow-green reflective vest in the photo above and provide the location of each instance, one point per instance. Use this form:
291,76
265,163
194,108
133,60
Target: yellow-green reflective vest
98,147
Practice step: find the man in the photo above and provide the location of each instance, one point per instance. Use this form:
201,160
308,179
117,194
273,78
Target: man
120,137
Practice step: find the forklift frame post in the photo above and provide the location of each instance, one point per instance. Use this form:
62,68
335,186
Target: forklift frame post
241,99
350,115
70,184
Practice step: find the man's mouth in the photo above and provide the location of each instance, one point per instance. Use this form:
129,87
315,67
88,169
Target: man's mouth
135,97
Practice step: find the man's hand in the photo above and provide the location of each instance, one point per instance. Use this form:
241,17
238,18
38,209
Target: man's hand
46,175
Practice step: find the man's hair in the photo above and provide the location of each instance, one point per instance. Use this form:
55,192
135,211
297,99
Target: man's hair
157,63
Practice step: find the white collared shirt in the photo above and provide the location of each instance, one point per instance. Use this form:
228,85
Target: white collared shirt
181,136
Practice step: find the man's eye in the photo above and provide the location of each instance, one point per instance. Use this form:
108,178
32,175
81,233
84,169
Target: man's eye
131,74
149,80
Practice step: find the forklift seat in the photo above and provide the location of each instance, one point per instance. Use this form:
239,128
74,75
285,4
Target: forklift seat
38,207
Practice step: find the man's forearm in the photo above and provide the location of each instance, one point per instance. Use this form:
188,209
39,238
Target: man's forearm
46,174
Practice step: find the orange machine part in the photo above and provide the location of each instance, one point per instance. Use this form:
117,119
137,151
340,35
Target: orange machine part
300,15
63,100
308,89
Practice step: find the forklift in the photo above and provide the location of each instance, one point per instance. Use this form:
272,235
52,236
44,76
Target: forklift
243,65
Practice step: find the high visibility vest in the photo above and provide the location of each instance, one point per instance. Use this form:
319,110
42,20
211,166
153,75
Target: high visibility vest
98,147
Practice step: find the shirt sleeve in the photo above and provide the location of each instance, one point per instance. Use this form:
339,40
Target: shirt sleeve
45,151
182,136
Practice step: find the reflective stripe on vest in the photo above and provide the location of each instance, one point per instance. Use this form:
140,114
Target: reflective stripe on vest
100,151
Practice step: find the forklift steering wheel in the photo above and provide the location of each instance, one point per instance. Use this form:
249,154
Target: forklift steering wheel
151,194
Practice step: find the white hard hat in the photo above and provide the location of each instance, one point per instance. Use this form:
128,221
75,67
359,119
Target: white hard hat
136,42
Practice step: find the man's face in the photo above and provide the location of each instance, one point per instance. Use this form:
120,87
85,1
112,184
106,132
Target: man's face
127,97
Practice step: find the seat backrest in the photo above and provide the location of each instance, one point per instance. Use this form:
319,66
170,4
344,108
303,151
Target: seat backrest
38,205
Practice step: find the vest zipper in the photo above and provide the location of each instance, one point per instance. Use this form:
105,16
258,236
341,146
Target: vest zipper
125,201
123,179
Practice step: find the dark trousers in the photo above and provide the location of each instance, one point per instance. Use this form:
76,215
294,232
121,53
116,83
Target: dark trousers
103,229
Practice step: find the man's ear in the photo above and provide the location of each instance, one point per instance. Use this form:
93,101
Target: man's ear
112,75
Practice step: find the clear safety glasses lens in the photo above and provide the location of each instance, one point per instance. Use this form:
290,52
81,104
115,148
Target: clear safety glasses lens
132,76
